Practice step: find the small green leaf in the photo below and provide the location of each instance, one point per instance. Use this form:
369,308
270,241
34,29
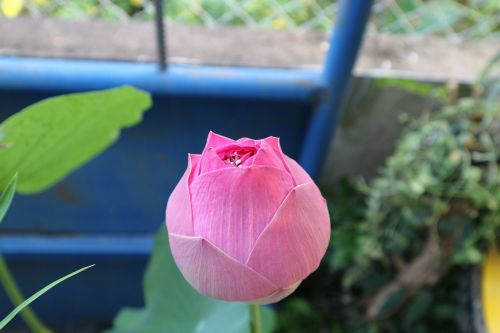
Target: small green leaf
49,139
423,89
7,196
172,305
39,293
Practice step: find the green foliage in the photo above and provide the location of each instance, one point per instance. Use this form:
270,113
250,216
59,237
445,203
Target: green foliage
437,200
442,17
444,166
39,293
172,305
423,89
6,197
298,316
48,140
346,209
465,18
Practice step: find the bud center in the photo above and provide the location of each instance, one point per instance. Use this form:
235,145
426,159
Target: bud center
237,156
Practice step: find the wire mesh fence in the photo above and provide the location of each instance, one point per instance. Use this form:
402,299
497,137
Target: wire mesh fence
461,19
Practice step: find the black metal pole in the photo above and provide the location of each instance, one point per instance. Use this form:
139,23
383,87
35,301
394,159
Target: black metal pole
160,35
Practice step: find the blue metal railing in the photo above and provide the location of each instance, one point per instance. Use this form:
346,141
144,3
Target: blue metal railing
344,47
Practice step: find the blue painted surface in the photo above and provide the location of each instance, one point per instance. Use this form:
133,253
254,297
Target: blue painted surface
344,46
106,212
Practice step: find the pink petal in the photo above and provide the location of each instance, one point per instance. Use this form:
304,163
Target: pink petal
215,274
210,161
278,295
216,140
232,206
248,162
292,245
193,166
246,142
179,217
299,175
274,143
270,154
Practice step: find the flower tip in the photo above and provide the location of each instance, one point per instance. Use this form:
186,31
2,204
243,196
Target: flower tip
215,140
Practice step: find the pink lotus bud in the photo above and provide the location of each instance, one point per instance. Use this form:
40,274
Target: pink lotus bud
246,222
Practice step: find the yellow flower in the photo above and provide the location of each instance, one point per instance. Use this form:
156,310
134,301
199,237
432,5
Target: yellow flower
279,23
11,8
136,3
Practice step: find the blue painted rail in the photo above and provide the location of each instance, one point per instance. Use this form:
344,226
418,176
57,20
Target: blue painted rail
107,212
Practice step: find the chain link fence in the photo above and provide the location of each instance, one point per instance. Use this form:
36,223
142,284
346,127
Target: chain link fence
458,19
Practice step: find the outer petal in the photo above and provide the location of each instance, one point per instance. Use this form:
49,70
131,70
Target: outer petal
278,295
232,206
210,161
246,142
215,141
292,245
299,175
270,154
215,274
179,217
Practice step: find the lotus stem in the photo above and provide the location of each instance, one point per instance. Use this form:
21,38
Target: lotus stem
255,324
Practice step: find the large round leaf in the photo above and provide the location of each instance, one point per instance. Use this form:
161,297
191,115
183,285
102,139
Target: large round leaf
47,140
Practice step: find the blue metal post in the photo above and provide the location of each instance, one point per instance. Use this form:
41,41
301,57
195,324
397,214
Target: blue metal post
344,46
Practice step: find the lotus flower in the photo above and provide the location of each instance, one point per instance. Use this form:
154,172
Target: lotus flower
246,222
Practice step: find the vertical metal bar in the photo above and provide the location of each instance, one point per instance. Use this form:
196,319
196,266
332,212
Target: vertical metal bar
344,46
160,35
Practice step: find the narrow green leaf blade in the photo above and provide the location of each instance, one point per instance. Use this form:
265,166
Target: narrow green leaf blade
49,139
39,293
172,305
7,196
